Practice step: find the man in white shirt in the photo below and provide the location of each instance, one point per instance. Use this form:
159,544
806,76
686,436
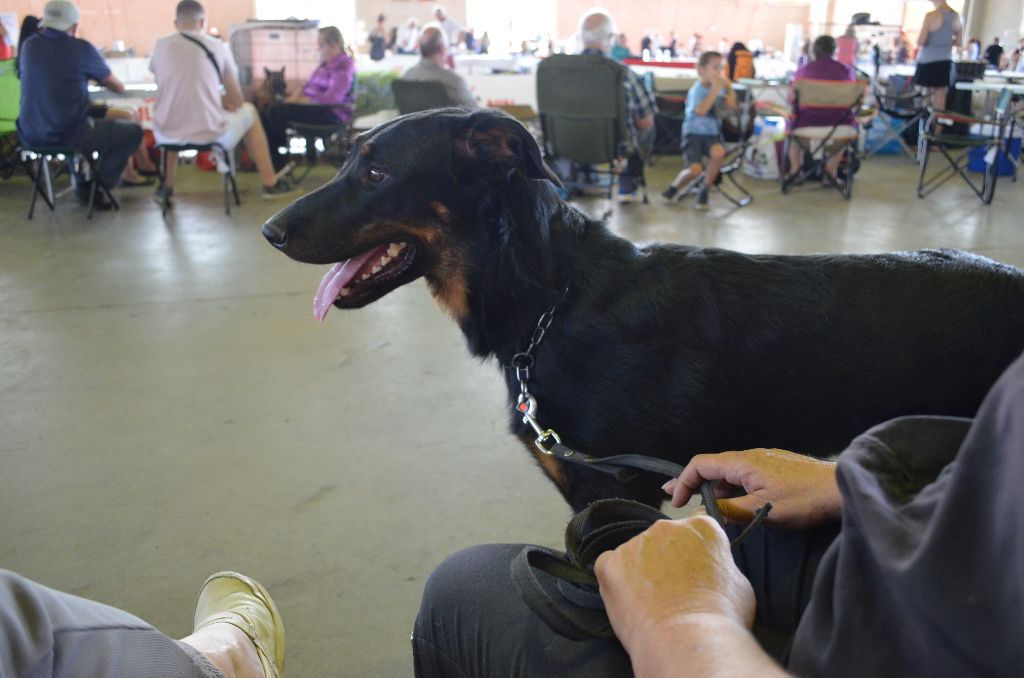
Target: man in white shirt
431,67
190,68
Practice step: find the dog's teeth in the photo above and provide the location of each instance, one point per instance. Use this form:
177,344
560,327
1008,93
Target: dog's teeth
401,246
376,269
365,276
393,250
384,261
344,292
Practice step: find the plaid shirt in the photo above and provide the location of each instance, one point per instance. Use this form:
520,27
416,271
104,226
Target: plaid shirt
640,102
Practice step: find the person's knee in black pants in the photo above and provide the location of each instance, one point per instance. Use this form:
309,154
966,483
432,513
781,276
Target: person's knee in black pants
116,142
473,622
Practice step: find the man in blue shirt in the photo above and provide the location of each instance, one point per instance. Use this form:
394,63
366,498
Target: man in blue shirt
702,130
56,68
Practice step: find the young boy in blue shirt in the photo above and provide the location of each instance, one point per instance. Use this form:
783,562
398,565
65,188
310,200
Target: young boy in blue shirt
702,131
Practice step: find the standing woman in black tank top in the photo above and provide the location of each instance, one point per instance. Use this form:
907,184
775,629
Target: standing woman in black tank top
941,32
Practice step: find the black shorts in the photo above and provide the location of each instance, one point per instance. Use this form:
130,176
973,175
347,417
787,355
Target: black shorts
697,147
934,74
98,111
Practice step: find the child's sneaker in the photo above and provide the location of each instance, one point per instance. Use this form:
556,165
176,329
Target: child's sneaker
702,201
278,190
669,194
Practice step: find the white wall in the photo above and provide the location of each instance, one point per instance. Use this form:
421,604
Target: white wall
340,13
991,18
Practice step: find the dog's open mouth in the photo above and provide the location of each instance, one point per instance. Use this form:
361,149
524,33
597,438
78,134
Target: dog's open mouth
365,277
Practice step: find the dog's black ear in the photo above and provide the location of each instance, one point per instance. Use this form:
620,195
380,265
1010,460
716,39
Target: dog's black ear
496,138
266,72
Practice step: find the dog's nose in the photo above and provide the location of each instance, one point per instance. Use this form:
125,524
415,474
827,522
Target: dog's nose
274,234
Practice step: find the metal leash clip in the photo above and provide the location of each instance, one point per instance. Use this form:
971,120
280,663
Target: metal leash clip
527,406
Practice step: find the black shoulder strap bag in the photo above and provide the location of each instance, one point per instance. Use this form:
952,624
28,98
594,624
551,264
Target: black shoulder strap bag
206,50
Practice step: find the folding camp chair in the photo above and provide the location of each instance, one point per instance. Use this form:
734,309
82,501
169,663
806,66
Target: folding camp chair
901,107
37,162
336,138
412,96
225,165
581,100
736,133
990,136
822,142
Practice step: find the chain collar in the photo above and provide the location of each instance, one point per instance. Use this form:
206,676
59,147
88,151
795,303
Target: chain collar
522,363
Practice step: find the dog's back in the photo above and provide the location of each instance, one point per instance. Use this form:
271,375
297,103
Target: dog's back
673,351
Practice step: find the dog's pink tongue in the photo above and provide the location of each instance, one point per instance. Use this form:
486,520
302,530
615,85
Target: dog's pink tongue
341,274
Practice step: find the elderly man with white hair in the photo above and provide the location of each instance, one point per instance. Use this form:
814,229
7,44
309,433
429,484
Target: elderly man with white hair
431,68
597,31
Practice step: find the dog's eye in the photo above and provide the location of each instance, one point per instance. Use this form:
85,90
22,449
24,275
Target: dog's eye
376,175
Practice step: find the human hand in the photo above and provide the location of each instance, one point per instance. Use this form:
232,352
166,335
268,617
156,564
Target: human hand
672,572
802,490
230,103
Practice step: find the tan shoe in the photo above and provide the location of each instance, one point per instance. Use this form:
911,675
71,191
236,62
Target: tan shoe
229,597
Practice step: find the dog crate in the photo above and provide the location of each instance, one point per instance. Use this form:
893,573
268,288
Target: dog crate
288,44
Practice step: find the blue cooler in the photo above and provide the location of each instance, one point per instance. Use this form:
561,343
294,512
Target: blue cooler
976,159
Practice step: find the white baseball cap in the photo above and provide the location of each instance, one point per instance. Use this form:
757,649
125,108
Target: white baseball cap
60,15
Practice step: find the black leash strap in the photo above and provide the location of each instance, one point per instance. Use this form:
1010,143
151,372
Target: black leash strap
209,54
575,610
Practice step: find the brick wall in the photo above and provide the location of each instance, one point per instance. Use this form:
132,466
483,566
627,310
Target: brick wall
139,23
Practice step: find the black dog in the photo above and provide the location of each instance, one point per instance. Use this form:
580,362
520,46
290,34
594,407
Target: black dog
660,350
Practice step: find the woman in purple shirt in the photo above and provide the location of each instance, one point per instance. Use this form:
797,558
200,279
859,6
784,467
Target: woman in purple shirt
824,67
325,100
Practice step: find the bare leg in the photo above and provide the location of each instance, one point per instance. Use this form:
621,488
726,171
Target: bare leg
142,159
259,150
171,164
715,163
937,97
832,165
796,158
687,175
228,649
128,174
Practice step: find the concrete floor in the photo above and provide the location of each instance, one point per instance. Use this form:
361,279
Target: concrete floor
170,408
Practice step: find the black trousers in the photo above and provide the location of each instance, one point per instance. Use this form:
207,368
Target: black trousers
472,621
116,141
275,121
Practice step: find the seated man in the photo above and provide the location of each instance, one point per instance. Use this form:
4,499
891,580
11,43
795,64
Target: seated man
597,31
56,68
190,67
702,130
823,67
331,83
923,578
431,67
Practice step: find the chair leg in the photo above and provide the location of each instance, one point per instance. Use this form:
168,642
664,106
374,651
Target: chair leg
923,152
851,158
92,190
165,204
745,199
988,190
784,180
37,190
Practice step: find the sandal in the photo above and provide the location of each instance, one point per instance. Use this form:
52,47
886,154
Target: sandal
233,598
